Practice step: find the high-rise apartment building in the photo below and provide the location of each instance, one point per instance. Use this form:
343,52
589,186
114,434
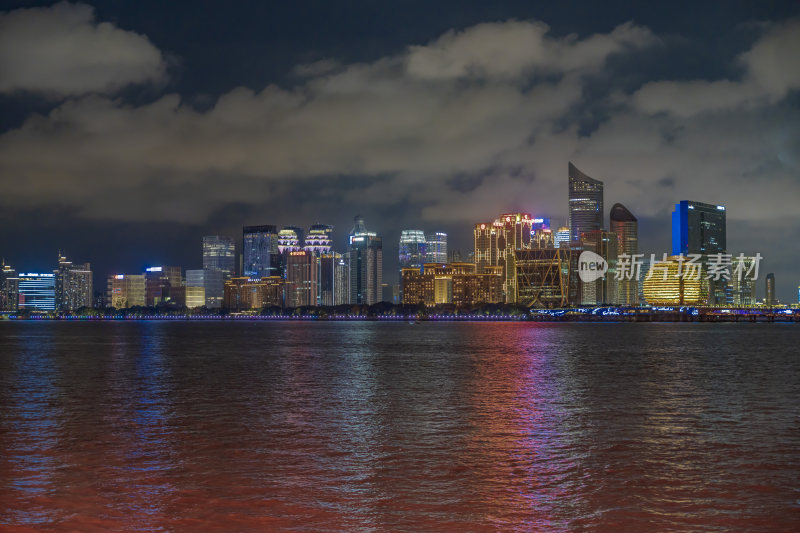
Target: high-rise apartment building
585,203
9,288
436,247
74,285
625,225
260,254
37,292
366,264
219,253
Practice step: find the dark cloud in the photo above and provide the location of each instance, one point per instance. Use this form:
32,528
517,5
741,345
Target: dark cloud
479,120
63,51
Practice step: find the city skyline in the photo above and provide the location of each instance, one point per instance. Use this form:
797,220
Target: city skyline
417,130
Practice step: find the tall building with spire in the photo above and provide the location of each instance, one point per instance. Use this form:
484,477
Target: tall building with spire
626,227
585,203
366,264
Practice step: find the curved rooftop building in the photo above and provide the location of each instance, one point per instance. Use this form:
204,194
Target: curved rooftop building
585,203
625,225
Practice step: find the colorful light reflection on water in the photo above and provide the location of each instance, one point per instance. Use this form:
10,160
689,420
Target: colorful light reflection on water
390,426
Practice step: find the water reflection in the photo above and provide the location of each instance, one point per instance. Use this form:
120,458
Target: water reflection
379,426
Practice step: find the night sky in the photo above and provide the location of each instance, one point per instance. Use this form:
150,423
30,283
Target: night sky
130,129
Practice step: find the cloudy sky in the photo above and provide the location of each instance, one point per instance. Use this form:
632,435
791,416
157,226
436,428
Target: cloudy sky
129,131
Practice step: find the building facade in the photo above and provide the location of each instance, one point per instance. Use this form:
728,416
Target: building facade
74,285
247,294
436,247
769,294
260,254
301,279
366,265
664,286
547,277
37,292
626,227
454,283
412,248
585,203
219,253
212,281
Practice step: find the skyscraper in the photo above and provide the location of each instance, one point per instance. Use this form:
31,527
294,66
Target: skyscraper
219,252
769,298
319,239
562,235
585,203
495,244
625,225
412,248
436,247
698,228
366,264
163,285
301,278
124,290
334,280
74,287
37,292
261,257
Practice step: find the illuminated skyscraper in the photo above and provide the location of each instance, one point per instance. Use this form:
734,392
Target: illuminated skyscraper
319,239
261,257
412,248
769,298
495,244
74,285
585,203
625,225
219,253
301,278
37,292
334,282
288,240
436,247
698,228
124,291
366,264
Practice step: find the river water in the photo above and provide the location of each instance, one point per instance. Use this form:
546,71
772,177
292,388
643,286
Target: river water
368,426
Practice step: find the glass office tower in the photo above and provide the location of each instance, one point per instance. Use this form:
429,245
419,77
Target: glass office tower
260,251
625,225
219,253
585,203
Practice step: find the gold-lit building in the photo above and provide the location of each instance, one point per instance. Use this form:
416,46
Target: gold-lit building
245,293
454,283
664,285
124,291
496,242
546,277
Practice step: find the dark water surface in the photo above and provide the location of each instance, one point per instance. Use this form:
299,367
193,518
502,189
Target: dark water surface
389,426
